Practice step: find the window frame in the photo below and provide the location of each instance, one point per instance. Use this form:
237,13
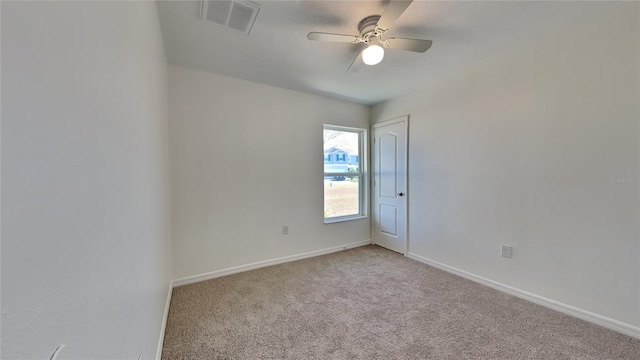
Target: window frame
362,174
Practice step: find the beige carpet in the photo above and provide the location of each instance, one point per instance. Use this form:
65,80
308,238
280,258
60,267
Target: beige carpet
371,303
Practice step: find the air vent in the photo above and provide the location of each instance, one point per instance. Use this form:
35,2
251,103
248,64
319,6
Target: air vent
236,15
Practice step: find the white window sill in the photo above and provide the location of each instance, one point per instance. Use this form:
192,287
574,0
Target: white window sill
344,218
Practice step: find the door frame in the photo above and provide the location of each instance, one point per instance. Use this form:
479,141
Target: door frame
405,119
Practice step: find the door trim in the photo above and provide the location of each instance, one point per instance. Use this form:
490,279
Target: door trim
405,119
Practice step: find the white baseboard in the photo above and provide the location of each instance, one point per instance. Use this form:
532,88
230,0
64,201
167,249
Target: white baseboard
597,319
256,265
164,322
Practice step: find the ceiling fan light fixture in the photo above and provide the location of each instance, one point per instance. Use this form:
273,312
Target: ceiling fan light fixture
372,55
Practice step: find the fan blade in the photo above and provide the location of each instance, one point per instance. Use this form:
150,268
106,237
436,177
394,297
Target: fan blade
318,36
355,65
415,45
392,13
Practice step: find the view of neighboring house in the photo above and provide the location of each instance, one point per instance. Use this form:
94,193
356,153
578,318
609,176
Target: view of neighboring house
339,160
335,155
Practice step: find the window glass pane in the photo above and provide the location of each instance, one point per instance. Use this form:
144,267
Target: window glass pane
341,195
341,151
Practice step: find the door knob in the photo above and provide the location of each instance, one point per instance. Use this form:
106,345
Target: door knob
400,194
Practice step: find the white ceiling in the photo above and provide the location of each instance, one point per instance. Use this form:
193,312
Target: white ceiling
278,53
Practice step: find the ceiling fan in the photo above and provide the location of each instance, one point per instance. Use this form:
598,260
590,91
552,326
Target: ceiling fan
372,30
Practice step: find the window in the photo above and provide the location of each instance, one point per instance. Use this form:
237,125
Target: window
345,179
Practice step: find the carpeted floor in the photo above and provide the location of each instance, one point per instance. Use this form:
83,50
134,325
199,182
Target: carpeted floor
371,303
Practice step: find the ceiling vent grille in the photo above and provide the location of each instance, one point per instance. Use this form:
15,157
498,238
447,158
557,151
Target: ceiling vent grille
236,15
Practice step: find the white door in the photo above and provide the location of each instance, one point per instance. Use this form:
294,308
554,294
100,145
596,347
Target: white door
390,184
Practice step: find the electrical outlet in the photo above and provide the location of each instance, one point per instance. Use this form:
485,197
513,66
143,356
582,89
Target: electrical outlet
285,229
506,250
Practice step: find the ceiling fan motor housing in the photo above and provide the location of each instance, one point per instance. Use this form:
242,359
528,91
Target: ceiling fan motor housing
367,26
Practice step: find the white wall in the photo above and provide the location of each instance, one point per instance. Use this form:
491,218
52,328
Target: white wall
85,237
519,150
245,160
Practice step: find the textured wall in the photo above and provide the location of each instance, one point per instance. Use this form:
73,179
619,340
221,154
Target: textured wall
246,158
521,150
85,245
